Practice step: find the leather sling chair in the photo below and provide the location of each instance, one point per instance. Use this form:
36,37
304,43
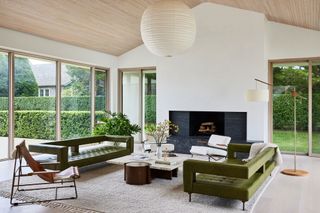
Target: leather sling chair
52,179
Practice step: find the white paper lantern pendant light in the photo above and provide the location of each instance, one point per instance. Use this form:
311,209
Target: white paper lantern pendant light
168,28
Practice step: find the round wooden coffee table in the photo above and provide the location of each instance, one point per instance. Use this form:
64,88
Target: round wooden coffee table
137,173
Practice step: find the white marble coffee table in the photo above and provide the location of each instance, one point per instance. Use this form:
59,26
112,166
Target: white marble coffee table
157,170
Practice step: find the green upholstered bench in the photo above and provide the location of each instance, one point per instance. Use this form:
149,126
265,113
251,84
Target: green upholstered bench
232,178
85,151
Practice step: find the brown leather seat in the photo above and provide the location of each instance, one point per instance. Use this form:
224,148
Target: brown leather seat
52,177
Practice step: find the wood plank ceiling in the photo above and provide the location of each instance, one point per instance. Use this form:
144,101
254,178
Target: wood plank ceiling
113,26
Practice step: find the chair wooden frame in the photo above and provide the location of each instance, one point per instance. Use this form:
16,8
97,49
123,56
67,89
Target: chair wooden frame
18,174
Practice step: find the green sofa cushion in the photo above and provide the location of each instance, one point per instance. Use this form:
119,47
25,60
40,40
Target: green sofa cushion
230,187
95,151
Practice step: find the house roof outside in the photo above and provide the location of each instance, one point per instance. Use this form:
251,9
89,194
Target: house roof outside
45,75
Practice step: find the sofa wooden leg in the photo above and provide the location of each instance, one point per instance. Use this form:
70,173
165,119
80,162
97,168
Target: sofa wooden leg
189,197
243,206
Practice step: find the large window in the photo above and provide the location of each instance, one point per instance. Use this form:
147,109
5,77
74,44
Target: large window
4,94
100,92
51,99
75,101
34,116
138,99
304,78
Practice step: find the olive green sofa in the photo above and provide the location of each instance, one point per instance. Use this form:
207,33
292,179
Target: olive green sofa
233,178
83,151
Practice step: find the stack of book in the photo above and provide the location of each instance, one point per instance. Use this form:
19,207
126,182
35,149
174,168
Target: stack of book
166,162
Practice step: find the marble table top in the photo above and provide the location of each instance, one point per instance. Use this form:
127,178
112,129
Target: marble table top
151,158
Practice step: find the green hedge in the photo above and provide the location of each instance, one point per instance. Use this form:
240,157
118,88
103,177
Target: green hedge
4,123
48,103
41,124
283,112
35,116
150,109
35,124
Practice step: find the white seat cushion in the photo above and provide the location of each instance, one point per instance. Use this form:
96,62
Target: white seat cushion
69,173
213,151
219,141
199,150
204,150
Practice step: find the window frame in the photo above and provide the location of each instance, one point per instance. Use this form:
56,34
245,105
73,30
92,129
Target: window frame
45,92
309,61
41,92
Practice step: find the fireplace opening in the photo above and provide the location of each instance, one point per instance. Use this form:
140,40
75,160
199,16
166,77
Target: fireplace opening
207,128
205,123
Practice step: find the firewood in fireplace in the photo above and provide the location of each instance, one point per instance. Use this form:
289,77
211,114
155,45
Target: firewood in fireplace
207,128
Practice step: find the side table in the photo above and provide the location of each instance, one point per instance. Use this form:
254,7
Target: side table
137,173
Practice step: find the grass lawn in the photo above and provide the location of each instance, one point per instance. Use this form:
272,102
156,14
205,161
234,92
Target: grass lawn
285,140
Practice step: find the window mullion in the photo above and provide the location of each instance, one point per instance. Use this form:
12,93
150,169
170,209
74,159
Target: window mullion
92,96
58,100
310,108
11,104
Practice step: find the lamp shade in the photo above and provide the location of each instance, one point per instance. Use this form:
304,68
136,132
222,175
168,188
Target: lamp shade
168,28
261,95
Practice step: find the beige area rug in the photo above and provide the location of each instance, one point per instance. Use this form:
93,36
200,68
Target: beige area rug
102,189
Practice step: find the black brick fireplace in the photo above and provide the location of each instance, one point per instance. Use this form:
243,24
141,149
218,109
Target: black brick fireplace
232,124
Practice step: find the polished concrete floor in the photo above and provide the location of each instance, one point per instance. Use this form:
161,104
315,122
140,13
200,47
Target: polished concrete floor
285,194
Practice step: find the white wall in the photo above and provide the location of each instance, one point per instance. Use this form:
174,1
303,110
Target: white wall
14,40
285,41
215,73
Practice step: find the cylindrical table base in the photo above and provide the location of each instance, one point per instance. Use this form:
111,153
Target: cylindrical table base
137,173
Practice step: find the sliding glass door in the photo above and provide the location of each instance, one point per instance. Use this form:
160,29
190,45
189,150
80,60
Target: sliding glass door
131,98
138,97
302,77
149,95
4,105
288,78
316,107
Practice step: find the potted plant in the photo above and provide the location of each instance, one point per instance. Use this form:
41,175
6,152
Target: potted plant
115,124
160,132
